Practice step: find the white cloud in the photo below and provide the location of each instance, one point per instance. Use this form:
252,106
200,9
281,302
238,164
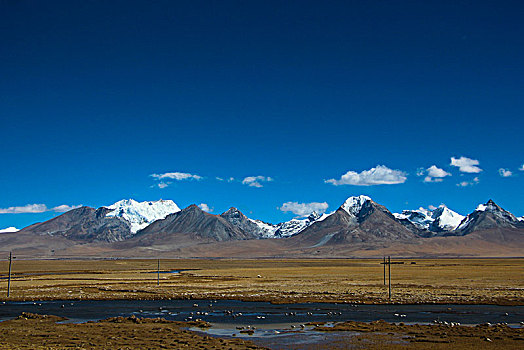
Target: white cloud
28,208
177,176
435,174
505,172
255,181
522,168
163,184
205,207
432,207
230,179
380,175
63,208
304,209
475,181
466,165
9,230
37,208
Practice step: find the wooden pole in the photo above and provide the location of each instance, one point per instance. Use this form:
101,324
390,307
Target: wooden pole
384,270
9,278
389,275
158,273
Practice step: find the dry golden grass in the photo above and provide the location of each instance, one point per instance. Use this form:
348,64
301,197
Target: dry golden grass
490,281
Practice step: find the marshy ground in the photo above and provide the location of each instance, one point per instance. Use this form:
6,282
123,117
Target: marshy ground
453,281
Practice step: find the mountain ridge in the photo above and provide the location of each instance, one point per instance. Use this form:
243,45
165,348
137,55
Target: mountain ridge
359,220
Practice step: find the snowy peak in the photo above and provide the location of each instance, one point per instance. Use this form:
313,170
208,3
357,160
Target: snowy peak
264,229
141,214
295,226
492,207
421,217
233,213
353,205
446,219
287,228
436,220
487,216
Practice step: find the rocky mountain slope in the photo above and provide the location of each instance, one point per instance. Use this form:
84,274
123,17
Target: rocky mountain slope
358,220
86,224
358,225
488,216
193,223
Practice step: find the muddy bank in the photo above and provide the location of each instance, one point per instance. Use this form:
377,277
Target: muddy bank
380,335
32,331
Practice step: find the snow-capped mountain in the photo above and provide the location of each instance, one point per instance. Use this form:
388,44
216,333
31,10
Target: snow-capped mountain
359,219
436,220
295,226
488,216
420,217
353,205
140,214
287,228
9,230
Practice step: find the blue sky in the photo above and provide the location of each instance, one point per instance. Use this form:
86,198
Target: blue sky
97,96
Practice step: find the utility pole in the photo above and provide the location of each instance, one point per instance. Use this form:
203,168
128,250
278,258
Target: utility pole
384,262
158,273
389,275
9,278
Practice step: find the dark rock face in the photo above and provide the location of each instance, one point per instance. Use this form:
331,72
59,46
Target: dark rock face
378,223
192,222
84,224
491,217
237,219
372,223
414,229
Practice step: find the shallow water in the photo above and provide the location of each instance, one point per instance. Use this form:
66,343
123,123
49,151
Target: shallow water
233,311
279,326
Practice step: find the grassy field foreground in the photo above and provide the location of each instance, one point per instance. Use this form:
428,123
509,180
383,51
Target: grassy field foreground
463,281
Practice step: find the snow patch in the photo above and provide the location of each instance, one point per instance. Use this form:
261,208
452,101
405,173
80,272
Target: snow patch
481,207
141,214
353,205
441,218
288,228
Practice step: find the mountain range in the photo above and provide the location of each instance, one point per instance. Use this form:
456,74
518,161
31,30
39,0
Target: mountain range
359,222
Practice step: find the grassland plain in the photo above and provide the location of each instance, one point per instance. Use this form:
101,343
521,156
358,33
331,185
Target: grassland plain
459,281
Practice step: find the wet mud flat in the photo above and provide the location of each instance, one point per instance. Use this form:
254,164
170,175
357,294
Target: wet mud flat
381,335
31,331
